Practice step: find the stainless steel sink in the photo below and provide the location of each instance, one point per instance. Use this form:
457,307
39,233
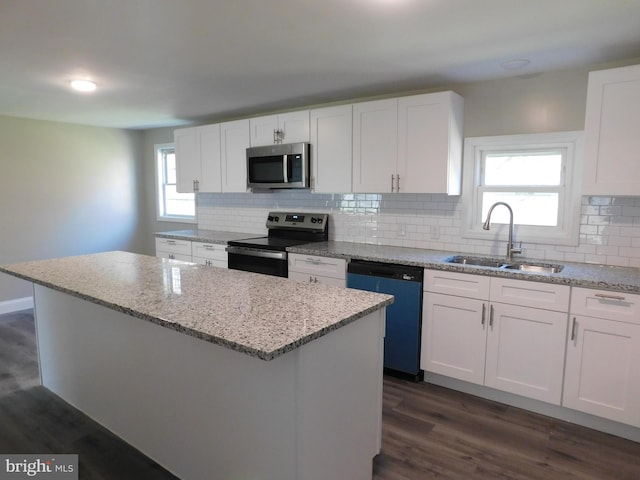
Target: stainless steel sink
477,261
497,263
535,268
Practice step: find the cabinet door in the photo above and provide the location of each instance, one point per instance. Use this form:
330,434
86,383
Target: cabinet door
295,126
319,279
209,154
174,256
332,153
611,132
525,351
187,159
234,138
375,144
454,336
263,130
602,376
430,143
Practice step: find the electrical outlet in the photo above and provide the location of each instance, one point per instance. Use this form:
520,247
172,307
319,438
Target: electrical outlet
402,230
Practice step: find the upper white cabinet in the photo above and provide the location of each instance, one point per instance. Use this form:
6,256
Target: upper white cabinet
375,145
292,127
408,144
198,159
187,159
331,140
612,141
430,143
234,141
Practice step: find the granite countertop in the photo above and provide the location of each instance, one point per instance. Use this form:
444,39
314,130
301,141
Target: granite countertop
620,279
259,315
207,236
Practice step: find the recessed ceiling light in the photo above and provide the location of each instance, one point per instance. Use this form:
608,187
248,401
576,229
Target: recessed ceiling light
515,64
83,85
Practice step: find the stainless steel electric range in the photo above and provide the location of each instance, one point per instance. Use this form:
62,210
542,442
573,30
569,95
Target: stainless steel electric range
268,254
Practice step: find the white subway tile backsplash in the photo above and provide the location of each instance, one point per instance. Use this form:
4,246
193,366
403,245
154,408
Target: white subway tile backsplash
609,230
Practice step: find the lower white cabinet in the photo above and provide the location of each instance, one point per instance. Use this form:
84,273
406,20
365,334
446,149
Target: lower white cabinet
314,269
209,254
492,335
603,355
174,249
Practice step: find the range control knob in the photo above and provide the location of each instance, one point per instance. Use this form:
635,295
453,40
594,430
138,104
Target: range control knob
314,220
277,219
270,218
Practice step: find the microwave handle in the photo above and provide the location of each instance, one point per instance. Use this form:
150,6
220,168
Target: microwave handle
285,168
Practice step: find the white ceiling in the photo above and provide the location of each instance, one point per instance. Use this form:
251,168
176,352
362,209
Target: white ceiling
172,62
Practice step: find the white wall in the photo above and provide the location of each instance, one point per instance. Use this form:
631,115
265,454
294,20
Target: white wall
66,190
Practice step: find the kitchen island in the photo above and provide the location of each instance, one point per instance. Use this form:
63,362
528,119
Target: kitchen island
214,373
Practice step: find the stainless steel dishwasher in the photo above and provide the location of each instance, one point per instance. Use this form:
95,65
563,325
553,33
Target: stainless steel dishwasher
404,316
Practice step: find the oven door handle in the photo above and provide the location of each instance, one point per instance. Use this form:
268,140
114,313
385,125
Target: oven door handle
256,252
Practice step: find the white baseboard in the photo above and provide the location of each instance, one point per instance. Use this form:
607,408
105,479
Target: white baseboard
16,305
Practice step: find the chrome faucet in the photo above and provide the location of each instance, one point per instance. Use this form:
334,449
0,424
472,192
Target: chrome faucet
510,248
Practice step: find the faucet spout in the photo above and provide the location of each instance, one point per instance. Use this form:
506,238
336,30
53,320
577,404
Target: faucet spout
511,249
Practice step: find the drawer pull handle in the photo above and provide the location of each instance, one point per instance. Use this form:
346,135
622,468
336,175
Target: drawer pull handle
491,316
609,296
484,311
573,329
171,242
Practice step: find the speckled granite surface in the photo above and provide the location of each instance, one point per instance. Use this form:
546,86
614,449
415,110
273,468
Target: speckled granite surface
207,236
259,315
574,274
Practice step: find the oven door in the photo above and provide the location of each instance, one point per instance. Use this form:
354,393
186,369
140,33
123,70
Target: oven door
257,260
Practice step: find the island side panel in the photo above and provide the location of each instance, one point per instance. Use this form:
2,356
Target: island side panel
340,401
201,410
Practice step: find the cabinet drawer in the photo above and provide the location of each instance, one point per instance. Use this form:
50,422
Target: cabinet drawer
313,265
619,306
169,245
209,251
454,283
530,294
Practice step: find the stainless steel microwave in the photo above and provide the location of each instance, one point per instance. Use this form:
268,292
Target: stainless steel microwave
278,166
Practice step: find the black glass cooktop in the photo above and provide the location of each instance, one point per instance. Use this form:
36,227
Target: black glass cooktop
268,243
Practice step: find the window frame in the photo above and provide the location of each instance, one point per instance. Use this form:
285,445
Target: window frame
160,171
568,230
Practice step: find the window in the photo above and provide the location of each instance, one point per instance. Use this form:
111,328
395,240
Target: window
537,175
172,206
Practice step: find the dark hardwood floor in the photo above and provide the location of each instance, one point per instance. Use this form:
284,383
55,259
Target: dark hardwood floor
428,432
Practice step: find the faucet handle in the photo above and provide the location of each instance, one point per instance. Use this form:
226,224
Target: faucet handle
517,249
